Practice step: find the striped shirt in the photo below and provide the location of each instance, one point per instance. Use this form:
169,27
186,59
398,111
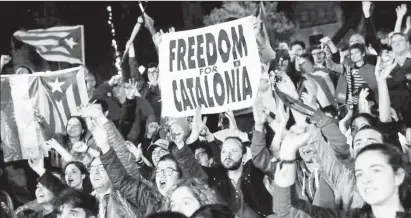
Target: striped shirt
354,81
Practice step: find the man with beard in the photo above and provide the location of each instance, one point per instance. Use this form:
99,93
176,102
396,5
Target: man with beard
241,185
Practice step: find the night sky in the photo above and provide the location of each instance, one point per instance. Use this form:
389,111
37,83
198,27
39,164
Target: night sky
94,16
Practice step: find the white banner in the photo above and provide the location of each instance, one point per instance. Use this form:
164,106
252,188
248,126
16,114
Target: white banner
216,67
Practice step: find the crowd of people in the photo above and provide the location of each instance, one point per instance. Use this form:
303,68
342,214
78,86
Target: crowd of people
347,154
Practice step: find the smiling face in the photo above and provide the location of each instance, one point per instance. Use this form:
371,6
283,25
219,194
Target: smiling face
182,200
73,176
74,128
232,154
43,195
98,175
356,55
166,176
376,181
365,137
152,74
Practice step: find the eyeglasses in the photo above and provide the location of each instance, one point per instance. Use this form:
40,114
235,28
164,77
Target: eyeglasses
166,171
96,169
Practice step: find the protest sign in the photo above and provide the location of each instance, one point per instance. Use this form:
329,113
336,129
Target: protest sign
216,67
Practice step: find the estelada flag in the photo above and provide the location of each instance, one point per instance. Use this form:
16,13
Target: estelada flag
54,95
59,44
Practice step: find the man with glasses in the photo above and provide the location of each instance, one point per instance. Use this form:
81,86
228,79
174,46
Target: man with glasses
111,203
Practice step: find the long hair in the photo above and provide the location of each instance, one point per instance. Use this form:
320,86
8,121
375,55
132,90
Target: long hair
87,187
200,190
398,160
83,135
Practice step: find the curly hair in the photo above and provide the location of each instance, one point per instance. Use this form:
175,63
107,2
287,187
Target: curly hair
200,190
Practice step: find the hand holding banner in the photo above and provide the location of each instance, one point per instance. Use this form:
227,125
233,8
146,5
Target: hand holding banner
216,68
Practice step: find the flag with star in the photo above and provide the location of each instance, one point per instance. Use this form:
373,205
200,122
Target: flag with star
54,95
59,44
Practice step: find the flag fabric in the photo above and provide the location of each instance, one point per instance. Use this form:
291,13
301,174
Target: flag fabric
326,89
267,53
59,44
149,24
55,95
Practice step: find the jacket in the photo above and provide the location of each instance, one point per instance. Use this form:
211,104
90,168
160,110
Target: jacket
139,193
288,205
334,158
255,195
314,187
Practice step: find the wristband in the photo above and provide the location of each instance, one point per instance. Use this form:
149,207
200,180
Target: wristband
281,162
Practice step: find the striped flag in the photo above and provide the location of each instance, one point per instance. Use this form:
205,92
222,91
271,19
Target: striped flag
59,44
55,95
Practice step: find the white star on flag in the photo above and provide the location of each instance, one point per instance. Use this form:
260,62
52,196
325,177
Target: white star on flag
56,86
70,42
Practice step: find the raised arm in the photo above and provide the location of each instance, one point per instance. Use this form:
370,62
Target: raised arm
286,203
369,25
401,11
384,103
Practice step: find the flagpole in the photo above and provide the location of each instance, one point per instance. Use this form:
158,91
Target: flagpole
82,46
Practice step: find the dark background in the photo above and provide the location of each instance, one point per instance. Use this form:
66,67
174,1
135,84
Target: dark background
94,16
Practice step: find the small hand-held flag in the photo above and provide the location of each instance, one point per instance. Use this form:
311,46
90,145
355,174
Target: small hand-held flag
148,23
266,53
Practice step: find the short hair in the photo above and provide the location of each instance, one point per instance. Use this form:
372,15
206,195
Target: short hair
102,102
297,42
235,138
358,46
78,199
331,109
401,34
206,147
151,65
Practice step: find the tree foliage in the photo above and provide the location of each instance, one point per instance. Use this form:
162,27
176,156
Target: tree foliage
279,27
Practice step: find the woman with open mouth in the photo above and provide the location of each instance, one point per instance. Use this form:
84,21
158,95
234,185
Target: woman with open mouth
76,144
77,176
381,174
